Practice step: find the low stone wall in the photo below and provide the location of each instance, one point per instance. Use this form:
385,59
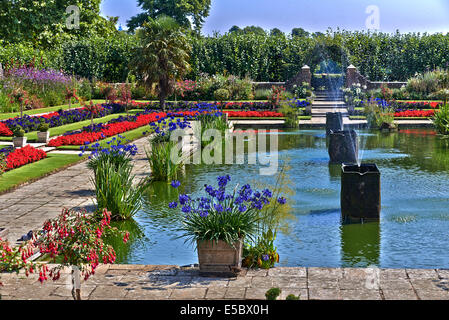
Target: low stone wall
378,84
267,85
353,76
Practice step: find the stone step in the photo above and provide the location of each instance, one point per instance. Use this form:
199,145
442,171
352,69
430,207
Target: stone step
329,105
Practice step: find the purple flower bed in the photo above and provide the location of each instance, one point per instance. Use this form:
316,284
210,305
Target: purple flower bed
6,150
39,76
60,118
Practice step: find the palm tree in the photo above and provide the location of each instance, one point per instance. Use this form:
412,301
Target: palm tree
163,57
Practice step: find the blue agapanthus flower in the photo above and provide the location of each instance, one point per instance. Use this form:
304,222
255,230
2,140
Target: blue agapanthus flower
175,184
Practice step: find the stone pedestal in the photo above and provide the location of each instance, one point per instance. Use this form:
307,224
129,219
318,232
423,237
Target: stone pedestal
351,76
360,193
306,75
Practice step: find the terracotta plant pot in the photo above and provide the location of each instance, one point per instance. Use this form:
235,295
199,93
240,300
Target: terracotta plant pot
19,142
42,137
219,258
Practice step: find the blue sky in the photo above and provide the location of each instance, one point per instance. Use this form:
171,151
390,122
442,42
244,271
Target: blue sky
312,15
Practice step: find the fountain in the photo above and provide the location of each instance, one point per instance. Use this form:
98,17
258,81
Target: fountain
343,147
334,122
360,193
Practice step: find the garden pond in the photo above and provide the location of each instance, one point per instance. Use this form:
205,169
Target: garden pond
413,231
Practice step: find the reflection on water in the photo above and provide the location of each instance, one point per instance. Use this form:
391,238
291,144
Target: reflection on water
414,226
360,244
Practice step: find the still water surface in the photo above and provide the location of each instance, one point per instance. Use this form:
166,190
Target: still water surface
413,231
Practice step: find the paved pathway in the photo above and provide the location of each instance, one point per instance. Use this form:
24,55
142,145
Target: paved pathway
28,207
139,282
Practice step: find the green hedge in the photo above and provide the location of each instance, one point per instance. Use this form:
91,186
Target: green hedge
262,57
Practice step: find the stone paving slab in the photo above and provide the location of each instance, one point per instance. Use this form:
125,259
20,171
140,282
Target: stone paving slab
27,207
139,282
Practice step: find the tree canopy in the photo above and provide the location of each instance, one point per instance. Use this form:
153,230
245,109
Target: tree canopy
182,11
43,22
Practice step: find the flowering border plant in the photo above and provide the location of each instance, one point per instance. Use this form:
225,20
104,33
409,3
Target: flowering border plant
229,217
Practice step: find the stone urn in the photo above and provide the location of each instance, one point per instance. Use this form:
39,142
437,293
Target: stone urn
42,137
19,142
219,258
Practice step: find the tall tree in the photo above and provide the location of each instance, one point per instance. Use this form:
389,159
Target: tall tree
235,29
300,32
43,22
254,29
164,55
276,32
183,11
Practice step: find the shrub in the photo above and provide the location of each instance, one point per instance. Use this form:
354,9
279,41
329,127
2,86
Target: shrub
277,95
441,120
291,115
442,94
61,241
221,95
262,254
303,91
18,131
423,85
43,127
387,93
84,89
379,113
262,94
353,94
292,297
273,293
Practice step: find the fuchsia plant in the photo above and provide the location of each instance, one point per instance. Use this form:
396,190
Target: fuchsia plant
73,239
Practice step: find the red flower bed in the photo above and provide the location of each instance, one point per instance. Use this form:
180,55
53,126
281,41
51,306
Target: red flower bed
4,130
253,114
432,104
23,156
415,113
111,129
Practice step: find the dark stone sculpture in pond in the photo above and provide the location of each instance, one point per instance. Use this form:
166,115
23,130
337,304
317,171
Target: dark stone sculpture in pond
343,147
334,122
360,193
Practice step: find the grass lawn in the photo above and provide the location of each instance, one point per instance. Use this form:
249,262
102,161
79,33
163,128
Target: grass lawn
395,118
4,116
36,170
